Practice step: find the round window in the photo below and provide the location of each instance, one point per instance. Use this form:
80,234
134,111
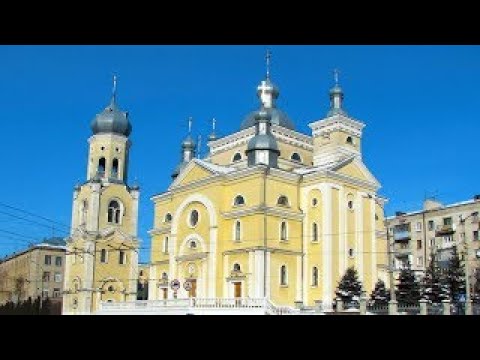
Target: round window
194,218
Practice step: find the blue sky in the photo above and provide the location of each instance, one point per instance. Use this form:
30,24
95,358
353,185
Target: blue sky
420,105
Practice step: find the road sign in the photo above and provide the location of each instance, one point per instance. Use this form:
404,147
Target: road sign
187,285
175,285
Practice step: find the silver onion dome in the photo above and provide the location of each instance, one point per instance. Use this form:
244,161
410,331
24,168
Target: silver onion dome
112,120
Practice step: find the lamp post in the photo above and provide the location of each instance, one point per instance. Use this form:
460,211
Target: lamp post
468,301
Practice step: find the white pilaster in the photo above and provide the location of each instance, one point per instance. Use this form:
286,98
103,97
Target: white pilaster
250,274
212,283
259,273
268,276
373,239
298,296
342,238
225,284
359,232
152,283
327,245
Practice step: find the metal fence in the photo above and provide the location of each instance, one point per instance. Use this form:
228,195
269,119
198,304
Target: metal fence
378,309
434,309
409,309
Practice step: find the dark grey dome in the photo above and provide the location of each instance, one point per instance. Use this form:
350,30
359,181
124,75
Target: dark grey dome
262,142
188,142
112,120
278,117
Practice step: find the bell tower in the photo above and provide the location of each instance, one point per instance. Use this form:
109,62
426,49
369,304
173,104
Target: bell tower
102,254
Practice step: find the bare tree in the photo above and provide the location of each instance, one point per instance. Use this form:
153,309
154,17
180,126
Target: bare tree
19,288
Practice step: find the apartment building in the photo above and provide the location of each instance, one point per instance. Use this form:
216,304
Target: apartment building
437,228
36,271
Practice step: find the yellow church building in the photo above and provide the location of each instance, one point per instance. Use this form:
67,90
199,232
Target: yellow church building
270,212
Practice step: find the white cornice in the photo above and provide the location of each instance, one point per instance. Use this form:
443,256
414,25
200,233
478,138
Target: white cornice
160,231
292,137
335,123
280,212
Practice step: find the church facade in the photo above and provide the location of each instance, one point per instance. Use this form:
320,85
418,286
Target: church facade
270,212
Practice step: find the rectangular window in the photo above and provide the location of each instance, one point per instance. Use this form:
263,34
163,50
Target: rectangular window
475,235
56,292
419,244
447,221
122,257
48,260
431,225
432,242
45,293
418,226
46,276
58,261
58,277
103,256
420,261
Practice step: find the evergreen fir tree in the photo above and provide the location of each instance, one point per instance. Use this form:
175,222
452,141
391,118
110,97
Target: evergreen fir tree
349,288
408,288
380,295
434,285
455,276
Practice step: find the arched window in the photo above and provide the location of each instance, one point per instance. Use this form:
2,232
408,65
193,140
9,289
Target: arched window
239,200
283,275
165,245
314,202
168,218
84,213
114,212
314,232
296,157
193,244
237,230
114,168
111,288
349,140
122,257
350,204
164,276
237,157
103,256
282,200
314,276
141,273
236,267
350,253
283,231
194,218
101,166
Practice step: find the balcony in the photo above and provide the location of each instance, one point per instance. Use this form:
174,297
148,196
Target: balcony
401,236
444,230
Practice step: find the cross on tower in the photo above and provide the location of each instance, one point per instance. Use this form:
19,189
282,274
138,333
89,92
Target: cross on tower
190,124
114,89
268,57
336,74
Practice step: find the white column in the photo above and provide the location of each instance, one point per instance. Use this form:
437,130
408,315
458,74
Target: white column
327,245
152,283
268,277
204,277
132,282
304,204
212,283
172,268
135,195
250,274
359,231
298,296
88,264
373,258
342,238
226,259
259,273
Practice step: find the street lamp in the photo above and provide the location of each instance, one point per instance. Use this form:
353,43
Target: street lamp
468,301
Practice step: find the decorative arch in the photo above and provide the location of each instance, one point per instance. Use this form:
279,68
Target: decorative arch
184,246
202,199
